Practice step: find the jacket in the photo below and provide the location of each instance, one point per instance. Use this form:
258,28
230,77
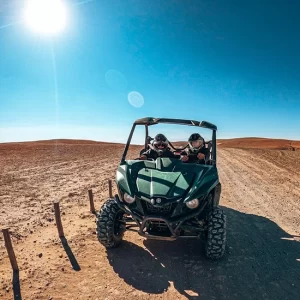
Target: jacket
153,154
193,155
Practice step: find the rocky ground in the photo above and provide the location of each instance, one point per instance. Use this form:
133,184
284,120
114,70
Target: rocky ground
260,195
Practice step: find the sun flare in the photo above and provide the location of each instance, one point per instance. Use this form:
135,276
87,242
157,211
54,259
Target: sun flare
47,17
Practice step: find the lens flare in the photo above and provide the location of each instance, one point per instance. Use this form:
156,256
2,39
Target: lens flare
136,99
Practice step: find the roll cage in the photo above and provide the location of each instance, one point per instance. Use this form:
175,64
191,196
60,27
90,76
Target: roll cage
149,121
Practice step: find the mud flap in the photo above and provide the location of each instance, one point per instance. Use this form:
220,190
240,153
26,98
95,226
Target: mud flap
217,194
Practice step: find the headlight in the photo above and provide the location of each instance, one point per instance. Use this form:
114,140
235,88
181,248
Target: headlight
192,204
128,198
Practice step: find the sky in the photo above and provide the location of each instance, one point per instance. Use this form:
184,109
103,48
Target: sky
233,63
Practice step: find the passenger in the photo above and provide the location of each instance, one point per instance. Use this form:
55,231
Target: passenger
158,148
196,151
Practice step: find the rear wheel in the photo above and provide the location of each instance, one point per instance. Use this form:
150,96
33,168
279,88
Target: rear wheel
216,234
110,224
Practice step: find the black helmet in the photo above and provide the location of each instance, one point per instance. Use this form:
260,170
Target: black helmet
195,137
160,143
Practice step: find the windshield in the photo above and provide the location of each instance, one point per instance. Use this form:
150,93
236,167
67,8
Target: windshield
177,137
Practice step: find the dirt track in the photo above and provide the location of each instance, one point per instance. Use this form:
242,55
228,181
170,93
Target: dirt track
260,194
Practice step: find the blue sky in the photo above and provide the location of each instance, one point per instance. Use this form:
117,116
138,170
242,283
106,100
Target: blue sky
233,63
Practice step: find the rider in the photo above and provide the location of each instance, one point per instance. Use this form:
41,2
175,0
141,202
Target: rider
196,152
158,148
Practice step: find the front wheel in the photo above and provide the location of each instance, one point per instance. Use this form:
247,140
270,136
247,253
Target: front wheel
110,224
216,234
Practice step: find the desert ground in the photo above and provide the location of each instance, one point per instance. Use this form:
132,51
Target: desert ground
260,195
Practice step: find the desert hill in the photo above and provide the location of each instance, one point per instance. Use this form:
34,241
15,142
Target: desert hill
259,143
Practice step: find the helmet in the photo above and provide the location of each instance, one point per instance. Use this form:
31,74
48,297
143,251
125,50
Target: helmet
196,142
160,143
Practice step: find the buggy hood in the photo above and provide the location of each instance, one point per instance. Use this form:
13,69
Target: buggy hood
166,178
155,183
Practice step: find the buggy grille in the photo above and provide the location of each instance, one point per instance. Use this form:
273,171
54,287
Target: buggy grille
164,209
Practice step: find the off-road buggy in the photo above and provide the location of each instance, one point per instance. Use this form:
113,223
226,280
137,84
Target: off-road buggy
166,199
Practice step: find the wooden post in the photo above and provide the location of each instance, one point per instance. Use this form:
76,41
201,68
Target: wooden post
10,249
110,188
92,206
58,219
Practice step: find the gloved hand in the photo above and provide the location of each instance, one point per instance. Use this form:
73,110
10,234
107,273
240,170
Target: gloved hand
200,156
184,158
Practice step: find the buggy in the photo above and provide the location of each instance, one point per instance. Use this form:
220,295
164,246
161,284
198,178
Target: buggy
166,199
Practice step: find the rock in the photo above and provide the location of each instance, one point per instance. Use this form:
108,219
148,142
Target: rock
40,255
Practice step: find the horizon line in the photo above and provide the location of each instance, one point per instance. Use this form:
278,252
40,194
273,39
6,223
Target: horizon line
123,143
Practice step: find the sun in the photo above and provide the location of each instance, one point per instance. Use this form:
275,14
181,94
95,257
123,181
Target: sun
46,17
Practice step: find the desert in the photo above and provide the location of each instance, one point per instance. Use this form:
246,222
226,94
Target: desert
260,196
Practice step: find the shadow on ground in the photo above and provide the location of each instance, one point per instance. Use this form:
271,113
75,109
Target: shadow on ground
262,262
16,286
70,254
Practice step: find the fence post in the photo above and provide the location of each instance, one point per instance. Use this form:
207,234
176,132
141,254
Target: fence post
91,197
110,188
10,250
58,219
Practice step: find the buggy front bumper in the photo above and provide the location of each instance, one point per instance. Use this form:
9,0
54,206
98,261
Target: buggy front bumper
173,225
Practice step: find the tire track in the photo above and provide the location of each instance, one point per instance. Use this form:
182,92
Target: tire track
258,195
